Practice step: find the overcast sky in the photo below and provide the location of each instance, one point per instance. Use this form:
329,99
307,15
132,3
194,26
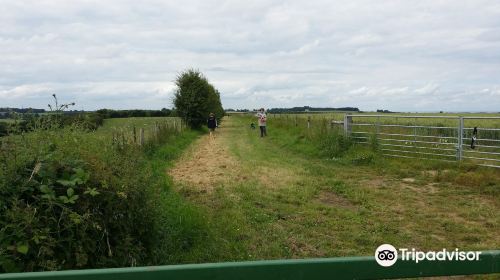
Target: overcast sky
397,55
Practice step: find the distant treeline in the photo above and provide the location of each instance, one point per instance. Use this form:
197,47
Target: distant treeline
111,114
12,113
300,109
7,110
311,109
237,110
384,111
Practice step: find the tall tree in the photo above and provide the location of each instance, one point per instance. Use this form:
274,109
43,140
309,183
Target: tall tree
195,98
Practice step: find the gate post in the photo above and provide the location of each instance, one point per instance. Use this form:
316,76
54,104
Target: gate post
347,124
460,138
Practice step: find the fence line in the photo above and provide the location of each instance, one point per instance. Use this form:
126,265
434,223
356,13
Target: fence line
445,138
142,136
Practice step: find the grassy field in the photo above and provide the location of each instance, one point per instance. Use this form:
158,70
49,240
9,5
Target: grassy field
129,128
275,198
129,123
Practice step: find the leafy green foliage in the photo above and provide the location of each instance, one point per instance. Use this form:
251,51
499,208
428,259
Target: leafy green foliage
195,98
3,128
72,199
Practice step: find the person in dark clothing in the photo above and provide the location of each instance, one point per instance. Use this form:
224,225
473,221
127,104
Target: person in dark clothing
212,124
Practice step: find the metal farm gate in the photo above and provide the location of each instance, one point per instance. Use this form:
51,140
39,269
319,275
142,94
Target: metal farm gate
447,138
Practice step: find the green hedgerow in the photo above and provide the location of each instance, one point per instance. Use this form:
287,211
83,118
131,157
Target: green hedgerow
72,201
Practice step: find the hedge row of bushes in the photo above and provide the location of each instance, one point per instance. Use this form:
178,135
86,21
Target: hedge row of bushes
30,122
69,200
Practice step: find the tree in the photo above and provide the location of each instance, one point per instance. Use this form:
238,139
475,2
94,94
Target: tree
195,98
214,103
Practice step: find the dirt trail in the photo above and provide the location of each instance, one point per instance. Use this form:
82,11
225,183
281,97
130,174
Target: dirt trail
208,162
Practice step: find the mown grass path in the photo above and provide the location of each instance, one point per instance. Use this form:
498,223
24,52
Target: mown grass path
263,201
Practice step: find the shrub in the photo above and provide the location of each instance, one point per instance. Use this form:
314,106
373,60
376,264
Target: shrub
3,129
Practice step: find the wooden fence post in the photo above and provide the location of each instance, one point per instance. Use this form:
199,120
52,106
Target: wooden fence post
157,132
460,135
141,136
347,124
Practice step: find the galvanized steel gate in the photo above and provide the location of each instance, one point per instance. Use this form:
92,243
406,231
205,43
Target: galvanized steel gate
447,138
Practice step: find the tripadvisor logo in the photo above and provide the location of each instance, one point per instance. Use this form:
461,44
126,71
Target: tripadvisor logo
386,255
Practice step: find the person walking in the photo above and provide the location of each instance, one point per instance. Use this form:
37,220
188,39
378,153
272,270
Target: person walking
262,122
212,124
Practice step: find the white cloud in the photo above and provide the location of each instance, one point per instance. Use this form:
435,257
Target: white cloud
27,91
369,54
428,89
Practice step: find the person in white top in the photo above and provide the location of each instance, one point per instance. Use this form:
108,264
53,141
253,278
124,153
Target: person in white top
262,122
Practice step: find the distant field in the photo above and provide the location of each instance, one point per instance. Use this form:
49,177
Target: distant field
7,120
129,123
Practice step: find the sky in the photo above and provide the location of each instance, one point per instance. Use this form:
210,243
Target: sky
427,55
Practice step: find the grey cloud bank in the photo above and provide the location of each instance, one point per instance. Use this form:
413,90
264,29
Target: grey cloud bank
397,55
